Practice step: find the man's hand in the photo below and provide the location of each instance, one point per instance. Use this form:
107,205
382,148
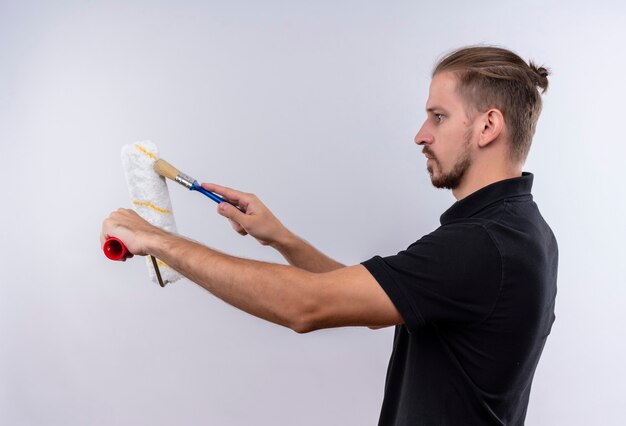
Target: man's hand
134,231
257,220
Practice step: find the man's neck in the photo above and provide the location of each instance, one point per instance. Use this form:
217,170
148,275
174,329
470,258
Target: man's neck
477,178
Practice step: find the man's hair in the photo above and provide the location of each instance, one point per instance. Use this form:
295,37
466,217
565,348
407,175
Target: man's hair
493,77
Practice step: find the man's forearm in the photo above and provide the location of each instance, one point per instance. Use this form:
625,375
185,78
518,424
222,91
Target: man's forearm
277,293
303,255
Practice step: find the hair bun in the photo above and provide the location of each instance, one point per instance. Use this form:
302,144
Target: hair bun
541,76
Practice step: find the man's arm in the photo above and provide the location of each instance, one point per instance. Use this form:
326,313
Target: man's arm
300,253
257,220
285,295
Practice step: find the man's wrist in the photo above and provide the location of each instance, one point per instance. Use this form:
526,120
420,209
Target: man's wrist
284,242
155,241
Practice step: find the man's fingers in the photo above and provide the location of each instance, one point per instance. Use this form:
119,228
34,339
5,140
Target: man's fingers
232,212
130,228
238,197
237,227
234,216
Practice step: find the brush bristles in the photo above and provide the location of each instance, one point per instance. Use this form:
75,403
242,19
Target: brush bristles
165,169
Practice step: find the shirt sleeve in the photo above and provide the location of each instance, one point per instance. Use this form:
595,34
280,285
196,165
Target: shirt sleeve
450,276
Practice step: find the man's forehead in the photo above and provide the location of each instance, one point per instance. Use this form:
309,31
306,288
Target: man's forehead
442,93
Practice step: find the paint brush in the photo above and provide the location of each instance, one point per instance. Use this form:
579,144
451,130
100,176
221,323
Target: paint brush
168,171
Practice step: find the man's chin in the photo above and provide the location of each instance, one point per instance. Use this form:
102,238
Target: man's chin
435,180
441,182
446,182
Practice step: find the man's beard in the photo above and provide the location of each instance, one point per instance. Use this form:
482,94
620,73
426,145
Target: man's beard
453,179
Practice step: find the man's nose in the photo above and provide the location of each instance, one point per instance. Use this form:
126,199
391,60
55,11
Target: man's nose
423,136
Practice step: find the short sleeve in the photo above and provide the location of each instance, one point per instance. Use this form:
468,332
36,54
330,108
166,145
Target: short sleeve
450,276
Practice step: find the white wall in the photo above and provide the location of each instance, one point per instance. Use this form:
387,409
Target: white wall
313,106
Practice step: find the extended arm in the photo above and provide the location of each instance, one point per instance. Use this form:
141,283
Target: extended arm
259,222
285,295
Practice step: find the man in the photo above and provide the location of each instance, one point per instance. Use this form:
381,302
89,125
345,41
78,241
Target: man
472,302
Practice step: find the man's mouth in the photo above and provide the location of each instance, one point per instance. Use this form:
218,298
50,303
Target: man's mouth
428,155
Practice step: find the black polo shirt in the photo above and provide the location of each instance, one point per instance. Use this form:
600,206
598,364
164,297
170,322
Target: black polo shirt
477,298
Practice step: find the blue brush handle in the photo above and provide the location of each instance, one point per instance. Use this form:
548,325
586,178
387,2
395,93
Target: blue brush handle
196,187
213,196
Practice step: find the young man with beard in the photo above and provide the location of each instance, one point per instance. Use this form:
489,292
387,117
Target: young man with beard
472,302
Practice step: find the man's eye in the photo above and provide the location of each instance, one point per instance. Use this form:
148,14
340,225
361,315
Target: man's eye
438,117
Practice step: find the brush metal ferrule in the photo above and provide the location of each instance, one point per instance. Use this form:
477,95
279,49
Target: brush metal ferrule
185,180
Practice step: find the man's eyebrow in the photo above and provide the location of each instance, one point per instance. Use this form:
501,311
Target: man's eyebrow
433,108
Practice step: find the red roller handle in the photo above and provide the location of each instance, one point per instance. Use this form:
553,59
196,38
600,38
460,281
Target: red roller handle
114,249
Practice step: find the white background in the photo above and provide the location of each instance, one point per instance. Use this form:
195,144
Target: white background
313,106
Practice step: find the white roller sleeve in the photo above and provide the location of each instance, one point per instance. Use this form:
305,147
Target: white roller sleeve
149,196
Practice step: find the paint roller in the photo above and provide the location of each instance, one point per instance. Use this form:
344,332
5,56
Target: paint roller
151,200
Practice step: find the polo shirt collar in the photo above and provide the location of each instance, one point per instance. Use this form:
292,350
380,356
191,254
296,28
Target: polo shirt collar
490,194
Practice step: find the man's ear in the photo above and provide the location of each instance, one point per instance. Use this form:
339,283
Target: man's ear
492,126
